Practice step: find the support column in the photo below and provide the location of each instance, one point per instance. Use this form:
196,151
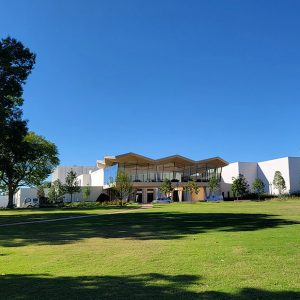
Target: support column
155,193
180,195
144,195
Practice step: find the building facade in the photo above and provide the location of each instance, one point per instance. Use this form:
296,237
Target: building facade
265,170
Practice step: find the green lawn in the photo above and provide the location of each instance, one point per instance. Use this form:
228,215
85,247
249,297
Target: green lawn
225,250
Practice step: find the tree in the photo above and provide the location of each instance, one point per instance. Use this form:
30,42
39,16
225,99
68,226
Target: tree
25,158
191,187
122,186
16,63
240,186
213,185
40,192
258,187
71,186
56,191
166,187
86,192
279,182
28,167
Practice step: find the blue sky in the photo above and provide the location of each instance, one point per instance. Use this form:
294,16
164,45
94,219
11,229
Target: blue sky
196,78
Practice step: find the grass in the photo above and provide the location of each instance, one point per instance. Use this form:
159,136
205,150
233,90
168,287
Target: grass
245,250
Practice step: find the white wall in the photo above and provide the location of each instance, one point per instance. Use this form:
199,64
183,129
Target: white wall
3,201
97,178
84,179
288,166
61,171
294,166
78,197
249,170
232,170
266,172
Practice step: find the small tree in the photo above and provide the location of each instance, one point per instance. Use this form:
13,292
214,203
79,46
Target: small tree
86,192
122,187
166,187
71,186
56,191
213,185
240,186
279,182
258,187
191,187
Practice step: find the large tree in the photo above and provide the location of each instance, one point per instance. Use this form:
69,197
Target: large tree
28,166
16,63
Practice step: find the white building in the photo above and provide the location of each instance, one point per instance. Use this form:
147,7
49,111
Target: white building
265,170
61,171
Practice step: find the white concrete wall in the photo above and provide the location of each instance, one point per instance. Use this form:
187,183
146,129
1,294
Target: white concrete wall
249,170
288,166
78,197
97,178
61,171
266,172
294,166
232,170
84,179
3,201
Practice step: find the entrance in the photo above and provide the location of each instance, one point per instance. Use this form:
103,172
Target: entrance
139,196
149,196
175,196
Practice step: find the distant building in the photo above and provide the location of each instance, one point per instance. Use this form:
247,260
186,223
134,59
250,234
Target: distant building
265,170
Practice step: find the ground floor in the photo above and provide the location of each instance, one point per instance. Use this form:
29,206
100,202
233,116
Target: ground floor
147,192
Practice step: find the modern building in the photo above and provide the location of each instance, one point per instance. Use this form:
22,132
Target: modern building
265,170
147,174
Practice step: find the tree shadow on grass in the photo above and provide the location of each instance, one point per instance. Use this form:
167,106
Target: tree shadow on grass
143,286
144,225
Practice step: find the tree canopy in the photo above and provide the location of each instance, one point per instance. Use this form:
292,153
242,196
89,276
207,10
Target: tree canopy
25,158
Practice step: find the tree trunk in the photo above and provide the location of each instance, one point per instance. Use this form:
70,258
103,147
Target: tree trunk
10,203
71,197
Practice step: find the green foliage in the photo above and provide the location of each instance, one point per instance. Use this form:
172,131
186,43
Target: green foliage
279,182
240,186
71,186
122,187
258,187
166,187
191,187
56,192
25,158
86,192
213,185
40,191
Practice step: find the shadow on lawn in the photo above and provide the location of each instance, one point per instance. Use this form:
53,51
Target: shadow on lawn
144,286
138,225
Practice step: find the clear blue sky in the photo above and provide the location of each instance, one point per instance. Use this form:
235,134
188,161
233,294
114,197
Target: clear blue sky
196,78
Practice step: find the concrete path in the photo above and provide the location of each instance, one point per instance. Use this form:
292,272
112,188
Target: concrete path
73,218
